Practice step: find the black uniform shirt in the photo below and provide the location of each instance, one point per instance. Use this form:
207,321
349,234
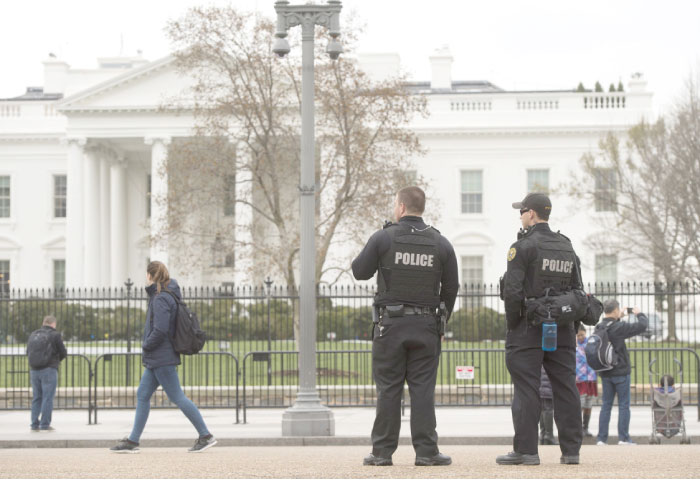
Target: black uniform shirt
519,285
365,265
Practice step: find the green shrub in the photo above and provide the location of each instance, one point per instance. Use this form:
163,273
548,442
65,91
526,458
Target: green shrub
477,324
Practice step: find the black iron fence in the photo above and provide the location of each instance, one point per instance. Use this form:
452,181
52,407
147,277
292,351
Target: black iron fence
102,329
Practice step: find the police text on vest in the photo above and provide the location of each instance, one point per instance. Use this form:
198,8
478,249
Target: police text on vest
557,265
409,259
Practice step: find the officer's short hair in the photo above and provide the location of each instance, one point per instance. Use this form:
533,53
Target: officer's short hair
49,321
610,305
413,198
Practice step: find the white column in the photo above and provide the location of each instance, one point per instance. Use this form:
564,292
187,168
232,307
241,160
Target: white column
74,213
92,218
118,224
105,277
159,197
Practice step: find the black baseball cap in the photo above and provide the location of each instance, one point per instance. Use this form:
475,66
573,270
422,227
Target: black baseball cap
540,203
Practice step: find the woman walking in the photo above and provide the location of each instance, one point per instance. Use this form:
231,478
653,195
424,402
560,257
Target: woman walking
161,360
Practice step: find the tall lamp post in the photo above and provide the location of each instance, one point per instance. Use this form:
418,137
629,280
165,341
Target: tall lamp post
307,417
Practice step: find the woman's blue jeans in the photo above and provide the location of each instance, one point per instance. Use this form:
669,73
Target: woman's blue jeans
612,385
165,376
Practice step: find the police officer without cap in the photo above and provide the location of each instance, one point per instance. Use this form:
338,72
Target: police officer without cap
540,259
417,278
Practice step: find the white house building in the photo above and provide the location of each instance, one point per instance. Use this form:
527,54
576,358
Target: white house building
83,157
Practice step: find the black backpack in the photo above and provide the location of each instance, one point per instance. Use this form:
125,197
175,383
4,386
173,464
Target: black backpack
40,349
189,338
600,353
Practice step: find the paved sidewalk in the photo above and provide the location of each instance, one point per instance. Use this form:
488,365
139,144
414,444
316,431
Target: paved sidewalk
169,427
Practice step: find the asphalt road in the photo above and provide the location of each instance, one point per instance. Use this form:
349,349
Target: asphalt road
643,461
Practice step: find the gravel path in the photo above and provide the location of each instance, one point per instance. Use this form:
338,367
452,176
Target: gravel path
665,461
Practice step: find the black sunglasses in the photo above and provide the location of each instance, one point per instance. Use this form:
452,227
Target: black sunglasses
522,211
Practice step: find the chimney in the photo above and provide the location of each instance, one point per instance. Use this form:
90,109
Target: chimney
441,66
55,75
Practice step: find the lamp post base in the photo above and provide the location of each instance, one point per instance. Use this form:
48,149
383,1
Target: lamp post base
308,417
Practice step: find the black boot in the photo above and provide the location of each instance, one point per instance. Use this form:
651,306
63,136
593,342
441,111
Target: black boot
586,420
548,427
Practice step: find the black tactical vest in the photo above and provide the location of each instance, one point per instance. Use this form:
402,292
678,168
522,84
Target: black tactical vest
554,266
410,271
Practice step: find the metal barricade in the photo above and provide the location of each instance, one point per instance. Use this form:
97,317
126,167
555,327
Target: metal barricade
72,390
640,359
270,378
209,379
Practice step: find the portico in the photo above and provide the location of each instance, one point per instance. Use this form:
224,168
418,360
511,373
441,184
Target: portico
117,186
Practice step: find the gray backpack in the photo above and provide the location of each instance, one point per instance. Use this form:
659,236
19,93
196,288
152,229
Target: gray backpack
600,353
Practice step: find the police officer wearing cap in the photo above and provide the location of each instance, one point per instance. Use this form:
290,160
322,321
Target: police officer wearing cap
416,276
540,259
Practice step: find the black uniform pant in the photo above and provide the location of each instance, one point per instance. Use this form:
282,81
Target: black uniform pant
405,349
524,366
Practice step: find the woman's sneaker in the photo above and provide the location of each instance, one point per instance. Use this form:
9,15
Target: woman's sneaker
204,442
126,446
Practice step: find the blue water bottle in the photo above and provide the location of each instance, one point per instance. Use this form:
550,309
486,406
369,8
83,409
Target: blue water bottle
549,335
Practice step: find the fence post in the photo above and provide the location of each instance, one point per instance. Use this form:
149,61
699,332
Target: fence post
128,285
268,284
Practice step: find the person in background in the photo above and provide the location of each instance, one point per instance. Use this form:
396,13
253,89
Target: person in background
616,381
586,380
665,383
45,350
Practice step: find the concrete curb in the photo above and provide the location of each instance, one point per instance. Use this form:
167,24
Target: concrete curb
292,441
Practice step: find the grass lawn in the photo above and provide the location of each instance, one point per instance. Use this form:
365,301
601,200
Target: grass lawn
338,368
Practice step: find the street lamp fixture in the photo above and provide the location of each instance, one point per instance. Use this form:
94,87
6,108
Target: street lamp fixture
307,417
281,47
334,49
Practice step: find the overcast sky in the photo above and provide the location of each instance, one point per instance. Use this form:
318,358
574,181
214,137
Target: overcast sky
516,44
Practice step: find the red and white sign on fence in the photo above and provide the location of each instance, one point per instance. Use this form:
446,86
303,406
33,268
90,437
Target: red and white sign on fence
465,372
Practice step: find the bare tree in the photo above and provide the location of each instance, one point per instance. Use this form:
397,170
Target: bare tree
247,104
650,190
684,145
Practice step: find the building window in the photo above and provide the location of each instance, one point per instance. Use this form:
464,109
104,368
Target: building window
4,278
538,180
59,195
472,191
59,275
606,270
605,195
473,271
4,196
229,195
230,260
148,196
